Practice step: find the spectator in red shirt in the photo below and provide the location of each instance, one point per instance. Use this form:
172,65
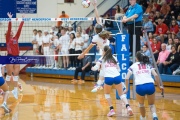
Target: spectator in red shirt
156,47
174,28
13,50
161,30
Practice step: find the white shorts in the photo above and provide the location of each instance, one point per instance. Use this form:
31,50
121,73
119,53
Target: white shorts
65,51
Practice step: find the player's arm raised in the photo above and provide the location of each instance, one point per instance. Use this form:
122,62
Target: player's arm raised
94,3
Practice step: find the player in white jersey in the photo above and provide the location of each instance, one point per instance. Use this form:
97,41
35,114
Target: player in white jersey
111,69
101,40
144,82
4,87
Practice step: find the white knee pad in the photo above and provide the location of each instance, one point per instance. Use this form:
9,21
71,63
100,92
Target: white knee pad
15,78
123,96
141,105
107,96
8,78
152,108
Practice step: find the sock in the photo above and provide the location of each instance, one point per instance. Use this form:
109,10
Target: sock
127,105
143,118
16,89
100,82
111,107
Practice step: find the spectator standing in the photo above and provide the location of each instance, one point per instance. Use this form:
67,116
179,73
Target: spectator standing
64,15
134,12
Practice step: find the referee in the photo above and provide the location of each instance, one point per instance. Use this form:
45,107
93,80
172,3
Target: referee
134,12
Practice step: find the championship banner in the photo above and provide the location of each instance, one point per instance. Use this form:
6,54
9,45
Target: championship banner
122,50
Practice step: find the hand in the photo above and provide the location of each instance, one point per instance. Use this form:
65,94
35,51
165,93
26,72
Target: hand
23,16
83,68
81,56
94,3
9,14
124,20
161,88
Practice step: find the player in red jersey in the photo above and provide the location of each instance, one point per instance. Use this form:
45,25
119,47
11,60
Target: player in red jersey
13,50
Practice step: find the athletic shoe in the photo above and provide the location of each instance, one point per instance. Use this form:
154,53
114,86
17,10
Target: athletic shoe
111,113
70,68
81,81
155,118
55,68
96,88
130,112
20,87
15,94
74,81
5,107
1,92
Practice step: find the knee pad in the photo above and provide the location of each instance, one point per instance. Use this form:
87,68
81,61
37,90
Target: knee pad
15,78
8,78
107,96
141,105
123,96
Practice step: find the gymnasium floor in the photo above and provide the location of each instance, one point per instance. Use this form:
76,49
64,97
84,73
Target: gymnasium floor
53,99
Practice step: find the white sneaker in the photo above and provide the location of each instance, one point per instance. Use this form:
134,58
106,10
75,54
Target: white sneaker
55,68
70,68
15,94
5,107
96,88
130,112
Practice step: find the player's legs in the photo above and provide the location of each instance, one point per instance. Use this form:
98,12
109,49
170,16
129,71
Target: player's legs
15,80
140,100
10,69
119,88
151,100
100,82
5,88
107,90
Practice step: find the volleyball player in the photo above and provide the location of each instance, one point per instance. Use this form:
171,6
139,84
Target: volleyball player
13,50
144,82
110,67
4,87
101,39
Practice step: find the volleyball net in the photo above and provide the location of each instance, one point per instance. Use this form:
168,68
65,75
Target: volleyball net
121,43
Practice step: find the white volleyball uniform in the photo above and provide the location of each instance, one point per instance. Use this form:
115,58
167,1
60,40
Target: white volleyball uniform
100,43
142,73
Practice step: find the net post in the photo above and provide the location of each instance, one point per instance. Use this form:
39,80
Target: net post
134,60
122,51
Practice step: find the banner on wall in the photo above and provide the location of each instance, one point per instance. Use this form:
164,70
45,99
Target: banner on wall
26,6
7,6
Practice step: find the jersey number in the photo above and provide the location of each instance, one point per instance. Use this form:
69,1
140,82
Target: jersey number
141,66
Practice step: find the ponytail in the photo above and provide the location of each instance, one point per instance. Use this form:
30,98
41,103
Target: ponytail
143,59
104,34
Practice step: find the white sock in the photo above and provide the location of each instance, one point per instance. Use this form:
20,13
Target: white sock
16,89
143,118
100,82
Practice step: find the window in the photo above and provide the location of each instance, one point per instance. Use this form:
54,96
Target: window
68,1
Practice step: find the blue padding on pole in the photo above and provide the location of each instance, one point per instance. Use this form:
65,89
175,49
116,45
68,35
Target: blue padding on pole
122,50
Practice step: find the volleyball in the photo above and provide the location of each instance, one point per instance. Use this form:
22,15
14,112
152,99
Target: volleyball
86,3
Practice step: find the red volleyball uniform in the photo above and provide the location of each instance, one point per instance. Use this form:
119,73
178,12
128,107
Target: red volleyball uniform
12,43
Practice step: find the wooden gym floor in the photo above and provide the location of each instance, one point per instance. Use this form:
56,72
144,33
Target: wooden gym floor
54,99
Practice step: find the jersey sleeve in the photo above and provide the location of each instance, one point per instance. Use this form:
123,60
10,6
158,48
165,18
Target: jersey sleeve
95,39
131,68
